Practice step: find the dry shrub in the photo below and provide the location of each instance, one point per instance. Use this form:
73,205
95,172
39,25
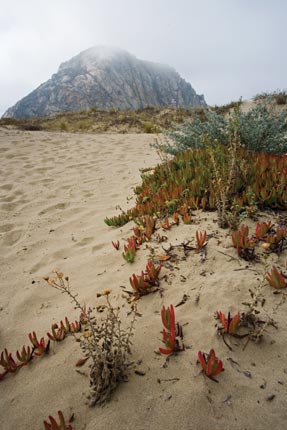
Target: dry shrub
104,342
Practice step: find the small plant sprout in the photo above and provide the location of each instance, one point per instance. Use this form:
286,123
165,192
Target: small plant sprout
210,364
139,285
130,250
243,244
8,363
57,335
149,226
262,229
40,347
166,224
230,324
186,216
172,333
200,240
116,245
152,273
276,279
75,327
147,282
53,425
65,326
25,356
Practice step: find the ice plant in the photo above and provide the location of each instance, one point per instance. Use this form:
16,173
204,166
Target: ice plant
149,226
210,364
8,363
172,332
186,217
262,229
65,326
147,281
139,285
24,356
57,334
276,279
116,245
117,221
243,244
152,273
53,425
166,224
75,327
130,250
200,240
40,347
230,324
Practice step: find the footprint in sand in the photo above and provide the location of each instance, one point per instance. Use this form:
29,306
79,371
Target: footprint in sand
49,260
9,207
38,266
6,187
41,170
98,247
88,194
49,209
8,199
6,227
85,241
11,237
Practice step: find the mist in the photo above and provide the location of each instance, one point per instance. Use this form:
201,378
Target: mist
225,49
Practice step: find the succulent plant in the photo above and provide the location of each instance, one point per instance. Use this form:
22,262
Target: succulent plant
230,324
58,334
200,240
130,250
262,229
25,356
210,364
53,425
276,279
147,281
40,347
116,245
8,363
172,333
117,221
244,244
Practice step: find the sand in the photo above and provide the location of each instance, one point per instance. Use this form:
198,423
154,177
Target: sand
55,191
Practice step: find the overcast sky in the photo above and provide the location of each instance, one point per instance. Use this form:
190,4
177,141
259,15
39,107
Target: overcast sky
226,49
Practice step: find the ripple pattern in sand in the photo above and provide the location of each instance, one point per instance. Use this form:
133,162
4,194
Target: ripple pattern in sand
56,189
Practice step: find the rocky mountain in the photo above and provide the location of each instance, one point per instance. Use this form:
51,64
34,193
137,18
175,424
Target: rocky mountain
107,78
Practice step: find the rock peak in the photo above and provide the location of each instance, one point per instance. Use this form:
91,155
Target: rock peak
107,77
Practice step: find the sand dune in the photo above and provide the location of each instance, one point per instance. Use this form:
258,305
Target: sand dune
55,191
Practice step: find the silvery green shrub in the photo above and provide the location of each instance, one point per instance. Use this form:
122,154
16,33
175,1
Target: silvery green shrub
260,129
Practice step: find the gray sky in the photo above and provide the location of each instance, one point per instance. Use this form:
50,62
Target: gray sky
225,48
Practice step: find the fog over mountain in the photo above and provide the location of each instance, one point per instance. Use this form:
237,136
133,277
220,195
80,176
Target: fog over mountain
107,77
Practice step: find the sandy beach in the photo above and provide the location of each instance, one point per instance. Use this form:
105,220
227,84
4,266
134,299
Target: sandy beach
55,191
